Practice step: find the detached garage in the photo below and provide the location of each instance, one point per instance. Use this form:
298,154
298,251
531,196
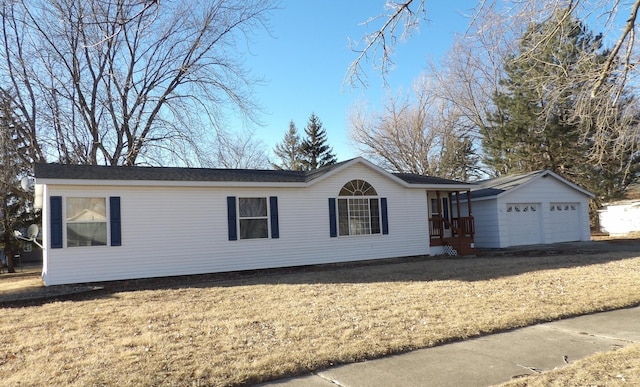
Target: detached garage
531,208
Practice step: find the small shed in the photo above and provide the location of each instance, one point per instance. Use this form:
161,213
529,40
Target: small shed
620,218
539,207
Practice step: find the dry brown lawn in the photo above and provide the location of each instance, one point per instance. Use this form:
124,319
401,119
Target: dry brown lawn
207,331
616,368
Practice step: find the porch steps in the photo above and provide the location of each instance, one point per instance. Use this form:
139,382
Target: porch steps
463,246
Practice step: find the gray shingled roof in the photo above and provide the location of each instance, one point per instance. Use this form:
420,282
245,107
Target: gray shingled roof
494,187
100,172
413,178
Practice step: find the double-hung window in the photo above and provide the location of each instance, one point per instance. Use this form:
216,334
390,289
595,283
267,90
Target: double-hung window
252,217
252,214
86,221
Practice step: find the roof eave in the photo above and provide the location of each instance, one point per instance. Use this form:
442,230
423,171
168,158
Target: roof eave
444,186
168,183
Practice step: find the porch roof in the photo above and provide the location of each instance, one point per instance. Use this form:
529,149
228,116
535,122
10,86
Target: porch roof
413,178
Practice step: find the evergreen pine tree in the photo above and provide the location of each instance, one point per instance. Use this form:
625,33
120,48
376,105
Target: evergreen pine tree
15,213
530,131
289,151
457,158
316,152
522,138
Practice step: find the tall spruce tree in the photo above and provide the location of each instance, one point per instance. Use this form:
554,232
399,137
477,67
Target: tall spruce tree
530,131
521,138
316,152
289,151
15,204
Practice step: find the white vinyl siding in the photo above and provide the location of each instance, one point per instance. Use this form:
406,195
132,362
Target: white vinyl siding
184,230
498,228
486,221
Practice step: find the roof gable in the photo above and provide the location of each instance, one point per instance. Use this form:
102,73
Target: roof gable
493,188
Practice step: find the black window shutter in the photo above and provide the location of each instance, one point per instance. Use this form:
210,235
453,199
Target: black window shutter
56,221
273,206
114,217
231,218
383,213
333,226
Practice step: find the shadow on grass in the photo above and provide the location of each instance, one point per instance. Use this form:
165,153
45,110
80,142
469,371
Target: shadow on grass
496,264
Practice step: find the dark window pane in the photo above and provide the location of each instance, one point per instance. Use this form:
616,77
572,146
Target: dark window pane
343,217
86,234
252,207
253,228
375,216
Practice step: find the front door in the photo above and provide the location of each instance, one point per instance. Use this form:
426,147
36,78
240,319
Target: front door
442,211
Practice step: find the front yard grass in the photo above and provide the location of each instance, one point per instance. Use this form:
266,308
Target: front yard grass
253,329
614,368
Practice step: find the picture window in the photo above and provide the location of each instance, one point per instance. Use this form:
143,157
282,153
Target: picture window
358,209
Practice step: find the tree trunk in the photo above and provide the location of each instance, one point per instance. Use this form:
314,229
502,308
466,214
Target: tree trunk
8,252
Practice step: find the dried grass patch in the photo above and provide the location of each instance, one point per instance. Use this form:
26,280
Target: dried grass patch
13,284
255,329
615,368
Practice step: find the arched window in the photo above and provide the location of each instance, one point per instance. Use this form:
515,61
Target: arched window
358,188
358,209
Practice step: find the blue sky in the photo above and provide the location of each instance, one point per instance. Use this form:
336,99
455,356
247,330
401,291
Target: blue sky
306,57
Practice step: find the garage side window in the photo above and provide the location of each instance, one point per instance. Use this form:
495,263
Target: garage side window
86,219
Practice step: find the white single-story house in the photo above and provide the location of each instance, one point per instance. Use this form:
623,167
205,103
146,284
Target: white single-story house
538,207
620,218
105,223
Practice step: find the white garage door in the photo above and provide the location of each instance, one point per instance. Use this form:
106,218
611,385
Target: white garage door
523,221
564,222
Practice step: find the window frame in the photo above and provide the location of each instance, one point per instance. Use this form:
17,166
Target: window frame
266,218
102,223
360,213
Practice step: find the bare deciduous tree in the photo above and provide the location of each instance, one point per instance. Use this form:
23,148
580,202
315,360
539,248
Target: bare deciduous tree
405,16
490,39
421,133
602,109
398,21
239,150
113,81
